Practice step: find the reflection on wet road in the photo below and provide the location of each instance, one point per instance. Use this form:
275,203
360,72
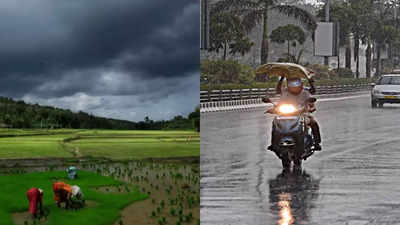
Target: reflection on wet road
354,180
292,196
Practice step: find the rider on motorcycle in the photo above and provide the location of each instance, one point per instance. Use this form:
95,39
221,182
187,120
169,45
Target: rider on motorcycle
296,93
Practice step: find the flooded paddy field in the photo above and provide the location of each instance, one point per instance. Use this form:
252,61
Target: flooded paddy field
128,177
173,191
156,192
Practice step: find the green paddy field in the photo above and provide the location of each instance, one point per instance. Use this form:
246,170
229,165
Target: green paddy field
14,187
113,144
151,191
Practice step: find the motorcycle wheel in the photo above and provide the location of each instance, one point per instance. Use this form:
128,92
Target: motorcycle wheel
297,164
297,161
285,162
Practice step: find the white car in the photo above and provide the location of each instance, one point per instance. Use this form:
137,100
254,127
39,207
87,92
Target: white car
386,90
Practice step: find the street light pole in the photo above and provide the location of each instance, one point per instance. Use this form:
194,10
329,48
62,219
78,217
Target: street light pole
327,6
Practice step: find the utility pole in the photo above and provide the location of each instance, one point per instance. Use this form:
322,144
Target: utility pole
327,7
397,27
204,24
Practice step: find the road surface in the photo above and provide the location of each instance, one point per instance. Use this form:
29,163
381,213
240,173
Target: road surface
354,180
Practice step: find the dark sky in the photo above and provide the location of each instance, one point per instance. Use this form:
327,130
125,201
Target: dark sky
116,58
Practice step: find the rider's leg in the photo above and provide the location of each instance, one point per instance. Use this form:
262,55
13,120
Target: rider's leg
316,133
273,139
270,147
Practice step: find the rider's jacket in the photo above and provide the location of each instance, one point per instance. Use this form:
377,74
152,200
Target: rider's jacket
299,99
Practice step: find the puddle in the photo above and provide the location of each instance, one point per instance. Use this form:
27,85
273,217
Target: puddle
25,218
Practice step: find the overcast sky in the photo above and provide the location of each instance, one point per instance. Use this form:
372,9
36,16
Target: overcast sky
122,58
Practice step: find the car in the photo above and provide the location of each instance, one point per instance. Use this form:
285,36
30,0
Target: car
386,90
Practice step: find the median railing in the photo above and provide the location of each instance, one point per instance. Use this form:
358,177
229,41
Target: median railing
239,99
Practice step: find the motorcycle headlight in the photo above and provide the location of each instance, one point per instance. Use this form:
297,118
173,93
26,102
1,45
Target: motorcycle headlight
287,109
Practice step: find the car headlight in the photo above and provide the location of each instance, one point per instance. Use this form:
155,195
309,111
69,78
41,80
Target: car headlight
287,109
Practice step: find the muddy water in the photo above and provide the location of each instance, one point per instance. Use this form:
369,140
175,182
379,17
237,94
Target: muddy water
173,189
21,218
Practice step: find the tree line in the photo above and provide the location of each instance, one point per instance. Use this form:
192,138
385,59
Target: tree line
373,23
18,114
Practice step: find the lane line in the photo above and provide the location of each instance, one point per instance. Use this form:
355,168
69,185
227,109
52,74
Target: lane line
341,98
358,148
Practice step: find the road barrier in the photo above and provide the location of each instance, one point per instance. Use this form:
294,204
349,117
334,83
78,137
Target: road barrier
239,99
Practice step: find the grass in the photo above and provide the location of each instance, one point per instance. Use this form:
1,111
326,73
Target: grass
106,211
120,150
127,144
33,147
6,132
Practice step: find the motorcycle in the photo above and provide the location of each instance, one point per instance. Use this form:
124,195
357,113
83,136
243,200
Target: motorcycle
292,137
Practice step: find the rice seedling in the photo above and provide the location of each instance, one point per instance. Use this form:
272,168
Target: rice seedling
106,205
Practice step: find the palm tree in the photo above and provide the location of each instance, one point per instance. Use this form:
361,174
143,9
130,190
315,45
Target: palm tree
255,12
383,30
361,12
368,17
227,31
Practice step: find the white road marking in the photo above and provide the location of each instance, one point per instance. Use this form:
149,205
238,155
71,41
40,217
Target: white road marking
341,98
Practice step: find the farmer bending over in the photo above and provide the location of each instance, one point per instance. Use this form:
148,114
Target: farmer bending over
35,198
62,193
77,196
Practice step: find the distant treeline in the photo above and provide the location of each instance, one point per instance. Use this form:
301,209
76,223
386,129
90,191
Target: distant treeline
18,114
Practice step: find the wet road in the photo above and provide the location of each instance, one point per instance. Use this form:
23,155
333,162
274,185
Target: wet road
354,180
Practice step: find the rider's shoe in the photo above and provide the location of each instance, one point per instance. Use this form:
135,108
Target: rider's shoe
317,147
270,148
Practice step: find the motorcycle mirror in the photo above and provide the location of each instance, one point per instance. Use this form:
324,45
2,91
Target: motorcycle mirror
372,84
312,100
266,100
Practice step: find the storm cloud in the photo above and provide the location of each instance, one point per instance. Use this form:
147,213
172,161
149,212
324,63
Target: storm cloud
122,59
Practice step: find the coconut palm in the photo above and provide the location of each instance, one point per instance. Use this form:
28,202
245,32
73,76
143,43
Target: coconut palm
359,9
368,18
226,30
383,29
255,12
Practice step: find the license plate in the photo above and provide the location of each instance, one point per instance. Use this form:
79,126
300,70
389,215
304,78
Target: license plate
390,97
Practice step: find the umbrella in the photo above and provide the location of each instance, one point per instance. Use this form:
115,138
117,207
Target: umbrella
288,70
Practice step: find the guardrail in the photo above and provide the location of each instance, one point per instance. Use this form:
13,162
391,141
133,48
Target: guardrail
238,99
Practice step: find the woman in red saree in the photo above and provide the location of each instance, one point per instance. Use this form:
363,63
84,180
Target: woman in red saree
35,198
